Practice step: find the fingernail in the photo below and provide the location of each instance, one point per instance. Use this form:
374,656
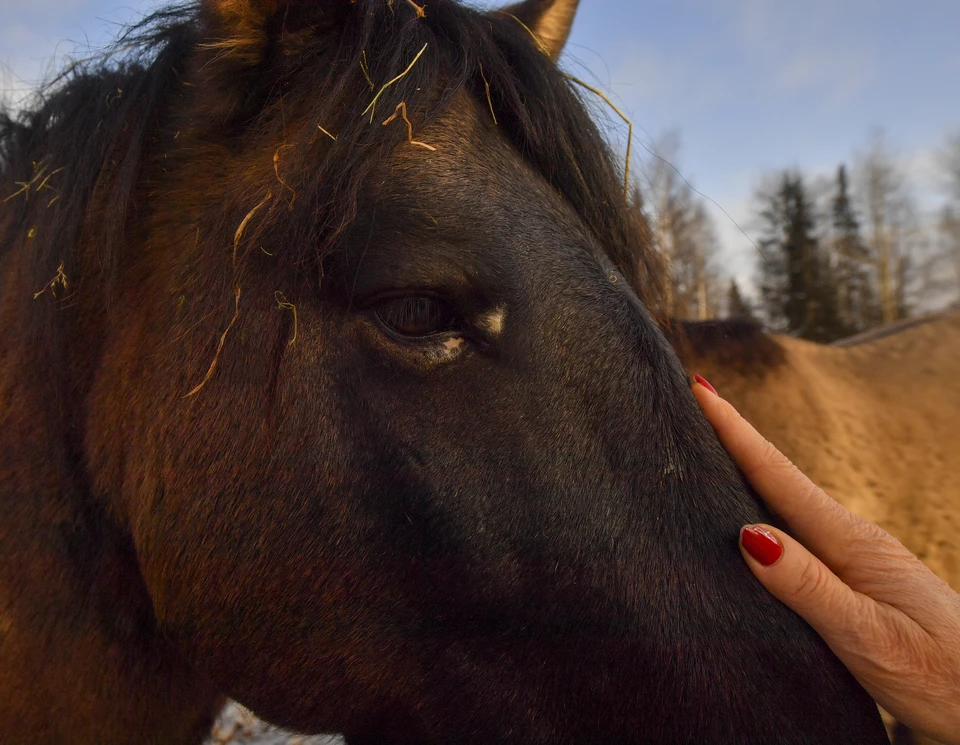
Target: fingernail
706,384
761,544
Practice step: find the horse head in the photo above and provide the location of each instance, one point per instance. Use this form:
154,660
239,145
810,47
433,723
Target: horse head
355,373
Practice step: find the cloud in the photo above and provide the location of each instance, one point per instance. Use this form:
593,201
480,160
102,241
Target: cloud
804,47
670,85
836,75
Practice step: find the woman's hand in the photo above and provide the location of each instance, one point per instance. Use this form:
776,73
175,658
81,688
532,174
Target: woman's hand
888,618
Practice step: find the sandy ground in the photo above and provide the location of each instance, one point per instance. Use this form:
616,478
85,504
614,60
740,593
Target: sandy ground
238,726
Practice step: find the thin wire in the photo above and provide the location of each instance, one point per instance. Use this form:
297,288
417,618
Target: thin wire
695,190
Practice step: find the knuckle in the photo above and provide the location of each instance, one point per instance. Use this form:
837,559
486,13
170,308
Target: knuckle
908,652
770,460
871,552
809,491
812,582
773,457
871,533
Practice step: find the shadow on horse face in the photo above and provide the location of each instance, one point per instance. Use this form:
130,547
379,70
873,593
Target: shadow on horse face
457,490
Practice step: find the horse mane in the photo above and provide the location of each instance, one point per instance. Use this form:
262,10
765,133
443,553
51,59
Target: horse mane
70,162
83,146
738,344
69,172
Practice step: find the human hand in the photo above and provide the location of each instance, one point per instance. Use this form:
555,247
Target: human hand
890,620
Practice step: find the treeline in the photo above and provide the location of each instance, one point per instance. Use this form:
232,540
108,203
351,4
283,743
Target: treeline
835,256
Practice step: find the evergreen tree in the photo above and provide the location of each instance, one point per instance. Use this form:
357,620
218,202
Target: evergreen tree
798,292
856,300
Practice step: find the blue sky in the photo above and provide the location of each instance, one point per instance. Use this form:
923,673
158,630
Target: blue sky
751,85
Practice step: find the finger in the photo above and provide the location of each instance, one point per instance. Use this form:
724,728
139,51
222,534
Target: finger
818,520
805,584
900,663
861,553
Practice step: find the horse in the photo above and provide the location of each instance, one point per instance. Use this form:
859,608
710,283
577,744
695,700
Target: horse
328,383
871,419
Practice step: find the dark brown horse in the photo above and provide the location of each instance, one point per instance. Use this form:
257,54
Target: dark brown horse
327,383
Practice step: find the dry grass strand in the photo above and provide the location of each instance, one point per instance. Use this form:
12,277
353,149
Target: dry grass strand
223,339
402,111
486,84
285,304
60,279
536,39
592,89
626,167
366,69
371,107
39,174
276,170
237,237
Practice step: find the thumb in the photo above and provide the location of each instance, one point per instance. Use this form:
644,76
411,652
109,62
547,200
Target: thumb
805,584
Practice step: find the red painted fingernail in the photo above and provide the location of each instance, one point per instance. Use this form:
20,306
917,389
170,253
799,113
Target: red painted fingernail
706,384
761,544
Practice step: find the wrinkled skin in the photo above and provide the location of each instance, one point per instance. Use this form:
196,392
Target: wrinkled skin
516,528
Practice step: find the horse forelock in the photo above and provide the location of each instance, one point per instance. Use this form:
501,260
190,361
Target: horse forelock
295,92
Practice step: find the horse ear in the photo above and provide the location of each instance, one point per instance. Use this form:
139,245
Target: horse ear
549,20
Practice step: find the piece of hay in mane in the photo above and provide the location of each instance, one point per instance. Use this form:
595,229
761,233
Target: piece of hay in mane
418,9
223,339
59,279
285,304
366,69
243,225
402,111
372,106
276,170
326,133
39,174
596,91
626,166
486,84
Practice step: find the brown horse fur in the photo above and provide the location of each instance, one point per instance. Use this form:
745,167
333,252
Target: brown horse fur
473,500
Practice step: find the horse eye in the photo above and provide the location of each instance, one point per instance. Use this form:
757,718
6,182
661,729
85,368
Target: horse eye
416,317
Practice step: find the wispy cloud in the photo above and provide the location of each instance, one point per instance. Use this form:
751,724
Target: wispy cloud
835,76
805,48
672,83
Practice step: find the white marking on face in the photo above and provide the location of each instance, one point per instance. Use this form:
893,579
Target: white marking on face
453,344
449,350
493,321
